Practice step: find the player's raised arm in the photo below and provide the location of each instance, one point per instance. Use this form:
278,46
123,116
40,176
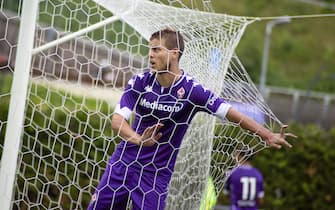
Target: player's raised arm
276,140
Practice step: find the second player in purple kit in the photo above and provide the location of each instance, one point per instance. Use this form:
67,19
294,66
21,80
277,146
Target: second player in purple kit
245,184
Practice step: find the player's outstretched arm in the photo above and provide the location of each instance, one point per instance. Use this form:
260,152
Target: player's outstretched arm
149,137
276,140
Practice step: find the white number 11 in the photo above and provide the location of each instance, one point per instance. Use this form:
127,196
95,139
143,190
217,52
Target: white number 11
248,188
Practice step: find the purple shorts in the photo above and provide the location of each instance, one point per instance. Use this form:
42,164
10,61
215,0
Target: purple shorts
121,184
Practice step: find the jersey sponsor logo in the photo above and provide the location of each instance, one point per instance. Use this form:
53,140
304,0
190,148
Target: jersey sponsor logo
166,106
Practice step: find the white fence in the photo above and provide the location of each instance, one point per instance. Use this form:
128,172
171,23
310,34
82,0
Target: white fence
302,106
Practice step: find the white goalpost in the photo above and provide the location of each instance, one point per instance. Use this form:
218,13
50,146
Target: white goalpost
72,61
17,103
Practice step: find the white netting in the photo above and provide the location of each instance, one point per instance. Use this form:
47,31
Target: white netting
75,85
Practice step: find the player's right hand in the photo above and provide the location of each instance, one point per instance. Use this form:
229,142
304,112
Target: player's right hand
151,135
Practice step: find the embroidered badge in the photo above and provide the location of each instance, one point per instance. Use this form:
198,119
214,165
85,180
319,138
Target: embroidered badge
181,92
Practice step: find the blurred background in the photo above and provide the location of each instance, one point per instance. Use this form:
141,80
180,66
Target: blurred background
300,89
298,59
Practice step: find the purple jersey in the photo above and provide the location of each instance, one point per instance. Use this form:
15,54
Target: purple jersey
134,171
245,185
173,106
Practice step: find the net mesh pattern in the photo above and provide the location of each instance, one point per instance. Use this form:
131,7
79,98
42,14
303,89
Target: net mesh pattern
75,85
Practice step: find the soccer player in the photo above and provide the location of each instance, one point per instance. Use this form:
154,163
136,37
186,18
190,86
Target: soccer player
164,100
245,184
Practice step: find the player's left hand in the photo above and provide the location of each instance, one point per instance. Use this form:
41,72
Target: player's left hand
277,140
151,135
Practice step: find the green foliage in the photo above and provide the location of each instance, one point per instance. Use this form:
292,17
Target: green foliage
305,46
65,141
304,173
5,84
302,47
293,177
300,178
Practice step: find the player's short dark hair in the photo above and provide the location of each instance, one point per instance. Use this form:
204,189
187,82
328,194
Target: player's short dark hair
173,39
246,152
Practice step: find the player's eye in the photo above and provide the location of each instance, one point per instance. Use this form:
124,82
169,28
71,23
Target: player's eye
155,49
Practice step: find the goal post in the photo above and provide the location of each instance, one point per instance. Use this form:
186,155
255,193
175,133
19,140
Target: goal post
74,35
25,51
72,64
13,138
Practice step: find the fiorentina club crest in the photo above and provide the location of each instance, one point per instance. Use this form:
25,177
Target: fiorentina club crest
181,92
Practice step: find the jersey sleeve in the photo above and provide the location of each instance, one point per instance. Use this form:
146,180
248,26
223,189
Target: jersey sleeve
129,97
207,101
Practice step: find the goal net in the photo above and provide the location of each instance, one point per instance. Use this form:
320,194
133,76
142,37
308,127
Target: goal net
84,54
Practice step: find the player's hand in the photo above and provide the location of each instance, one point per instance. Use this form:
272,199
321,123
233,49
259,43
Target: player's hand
151,135
277,140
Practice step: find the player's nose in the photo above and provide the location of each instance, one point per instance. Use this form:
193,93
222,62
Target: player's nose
151,53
